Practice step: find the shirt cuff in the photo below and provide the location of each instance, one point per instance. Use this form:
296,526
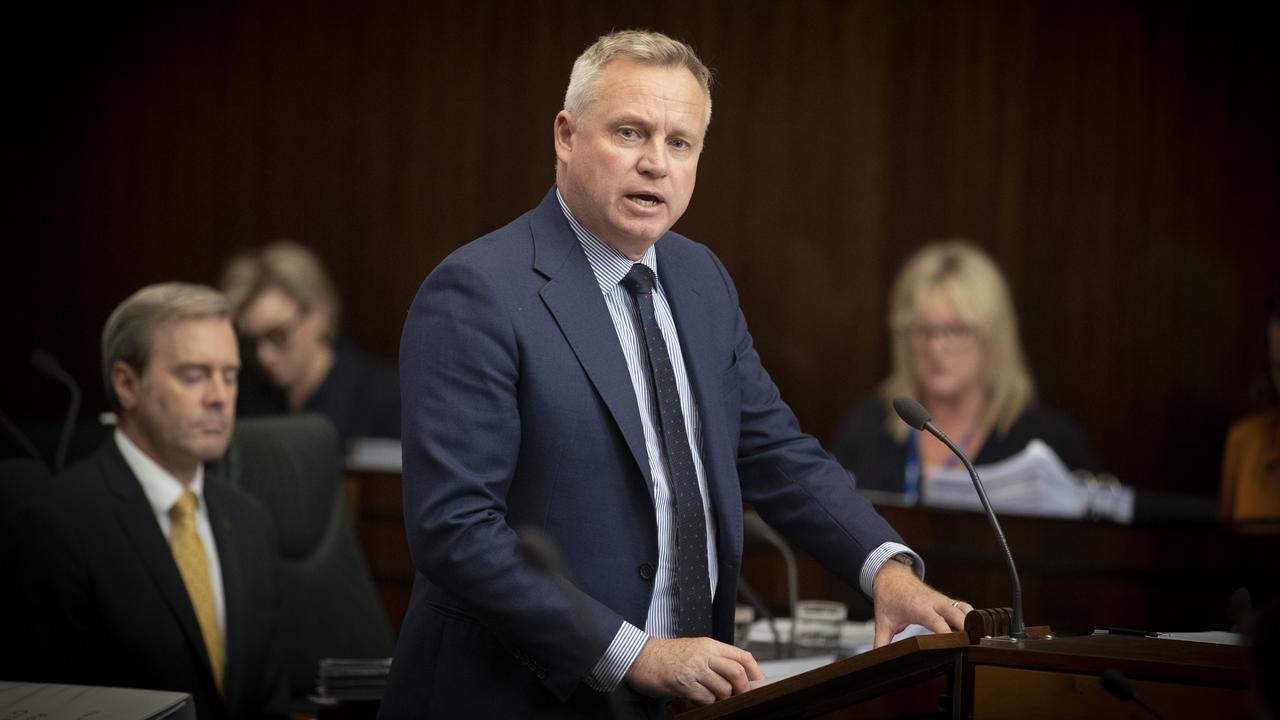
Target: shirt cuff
617,658
881,555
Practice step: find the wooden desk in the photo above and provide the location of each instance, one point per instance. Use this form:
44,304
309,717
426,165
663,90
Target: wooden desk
1076,575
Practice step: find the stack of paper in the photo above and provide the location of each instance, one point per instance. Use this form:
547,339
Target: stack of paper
345,679
373,455
1033,482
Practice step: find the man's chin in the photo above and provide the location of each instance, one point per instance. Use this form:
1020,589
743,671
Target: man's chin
210,449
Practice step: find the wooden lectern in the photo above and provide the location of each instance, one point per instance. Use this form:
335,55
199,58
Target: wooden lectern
974,674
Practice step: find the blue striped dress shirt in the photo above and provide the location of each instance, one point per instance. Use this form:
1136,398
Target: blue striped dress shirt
610,266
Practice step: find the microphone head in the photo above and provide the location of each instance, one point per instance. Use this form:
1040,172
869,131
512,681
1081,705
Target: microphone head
1117,684
45,362
911,412
539,550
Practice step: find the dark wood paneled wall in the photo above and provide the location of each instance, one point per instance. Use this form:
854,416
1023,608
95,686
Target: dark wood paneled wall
1118,159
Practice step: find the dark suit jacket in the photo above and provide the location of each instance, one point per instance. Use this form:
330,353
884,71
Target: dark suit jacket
518,411
360,395
100,600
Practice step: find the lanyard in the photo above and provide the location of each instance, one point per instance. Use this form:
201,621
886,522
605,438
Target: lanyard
912,470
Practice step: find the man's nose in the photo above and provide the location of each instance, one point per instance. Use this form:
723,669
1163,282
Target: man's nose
653,161
217,391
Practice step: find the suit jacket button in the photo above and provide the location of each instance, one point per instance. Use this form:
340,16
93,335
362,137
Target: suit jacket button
646,571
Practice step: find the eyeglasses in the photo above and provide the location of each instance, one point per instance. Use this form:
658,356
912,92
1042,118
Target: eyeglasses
950,337
276,337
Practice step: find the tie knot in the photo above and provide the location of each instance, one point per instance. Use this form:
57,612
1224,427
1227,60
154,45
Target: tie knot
639,280
185,508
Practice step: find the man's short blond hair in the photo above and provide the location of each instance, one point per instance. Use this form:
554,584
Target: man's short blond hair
642,46
130,331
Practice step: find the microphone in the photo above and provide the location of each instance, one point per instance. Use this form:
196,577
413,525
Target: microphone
914,414
1118,685
744,588
542,553
48,366
23,441
1239,608
754,527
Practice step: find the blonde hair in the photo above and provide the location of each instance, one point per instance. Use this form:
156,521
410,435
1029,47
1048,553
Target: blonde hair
130,331
643,46
977,290
286,266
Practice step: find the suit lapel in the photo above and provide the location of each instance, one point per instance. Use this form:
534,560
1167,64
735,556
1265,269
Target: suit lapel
681,279
138,523
573,297
232,584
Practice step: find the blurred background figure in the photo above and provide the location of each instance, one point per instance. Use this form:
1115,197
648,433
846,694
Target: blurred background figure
287,313
1251,461
956,350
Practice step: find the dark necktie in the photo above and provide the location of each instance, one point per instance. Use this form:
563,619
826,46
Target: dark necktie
693,586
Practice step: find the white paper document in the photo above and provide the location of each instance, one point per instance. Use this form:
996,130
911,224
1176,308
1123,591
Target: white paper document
1033,482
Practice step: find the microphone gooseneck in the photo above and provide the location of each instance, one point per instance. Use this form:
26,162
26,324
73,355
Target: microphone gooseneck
48,365
540,551
914,414
754,527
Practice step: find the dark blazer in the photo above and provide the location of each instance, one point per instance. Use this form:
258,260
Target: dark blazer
101,602
518,411
878,460
360,395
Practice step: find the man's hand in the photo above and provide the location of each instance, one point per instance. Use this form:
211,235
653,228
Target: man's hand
901,599
700,670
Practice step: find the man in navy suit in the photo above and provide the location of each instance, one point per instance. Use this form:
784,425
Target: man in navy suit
137,569
587,373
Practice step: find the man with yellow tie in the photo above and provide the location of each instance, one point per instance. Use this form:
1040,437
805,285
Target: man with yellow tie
138,569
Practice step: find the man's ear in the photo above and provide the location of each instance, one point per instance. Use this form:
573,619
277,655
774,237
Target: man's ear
564,128
125,381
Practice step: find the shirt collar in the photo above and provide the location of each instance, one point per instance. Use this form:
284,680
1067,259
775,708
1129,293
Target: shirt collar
608,264
159,485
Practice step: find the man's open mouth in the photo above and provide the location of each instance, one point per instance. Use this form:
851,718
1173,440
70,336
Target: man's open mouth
644,199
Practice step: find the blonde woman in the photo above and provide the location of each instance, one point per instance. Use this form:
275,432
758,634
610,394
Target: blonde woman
286,312
956,350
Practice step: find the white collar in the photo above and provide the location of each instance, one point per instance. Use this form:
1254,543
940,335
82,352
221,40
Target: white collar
159,485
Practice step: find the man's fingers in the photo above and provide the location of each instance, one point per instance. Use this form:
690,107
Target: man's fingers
732,671
953,611
714,682
699,695
748,663
884,633
937,624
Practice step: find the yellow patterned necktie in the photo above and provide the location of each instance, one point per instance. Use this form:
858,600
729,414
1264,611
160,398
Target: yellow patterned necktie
193,563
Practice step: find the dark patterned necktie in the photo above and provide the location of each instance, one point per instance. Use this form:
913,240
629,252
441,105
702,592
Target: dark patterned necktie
693,585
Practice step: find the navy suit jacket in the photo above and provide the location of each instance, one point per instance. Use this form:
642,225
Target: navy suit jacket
101,601
518,411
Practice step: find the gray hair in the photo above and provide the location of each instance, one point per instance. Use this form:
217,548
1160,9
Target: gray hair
131,329
643,46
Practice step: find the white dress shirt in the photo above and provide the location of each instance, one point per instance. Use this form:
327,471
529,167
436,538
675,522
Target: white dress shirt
163,490
610,266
